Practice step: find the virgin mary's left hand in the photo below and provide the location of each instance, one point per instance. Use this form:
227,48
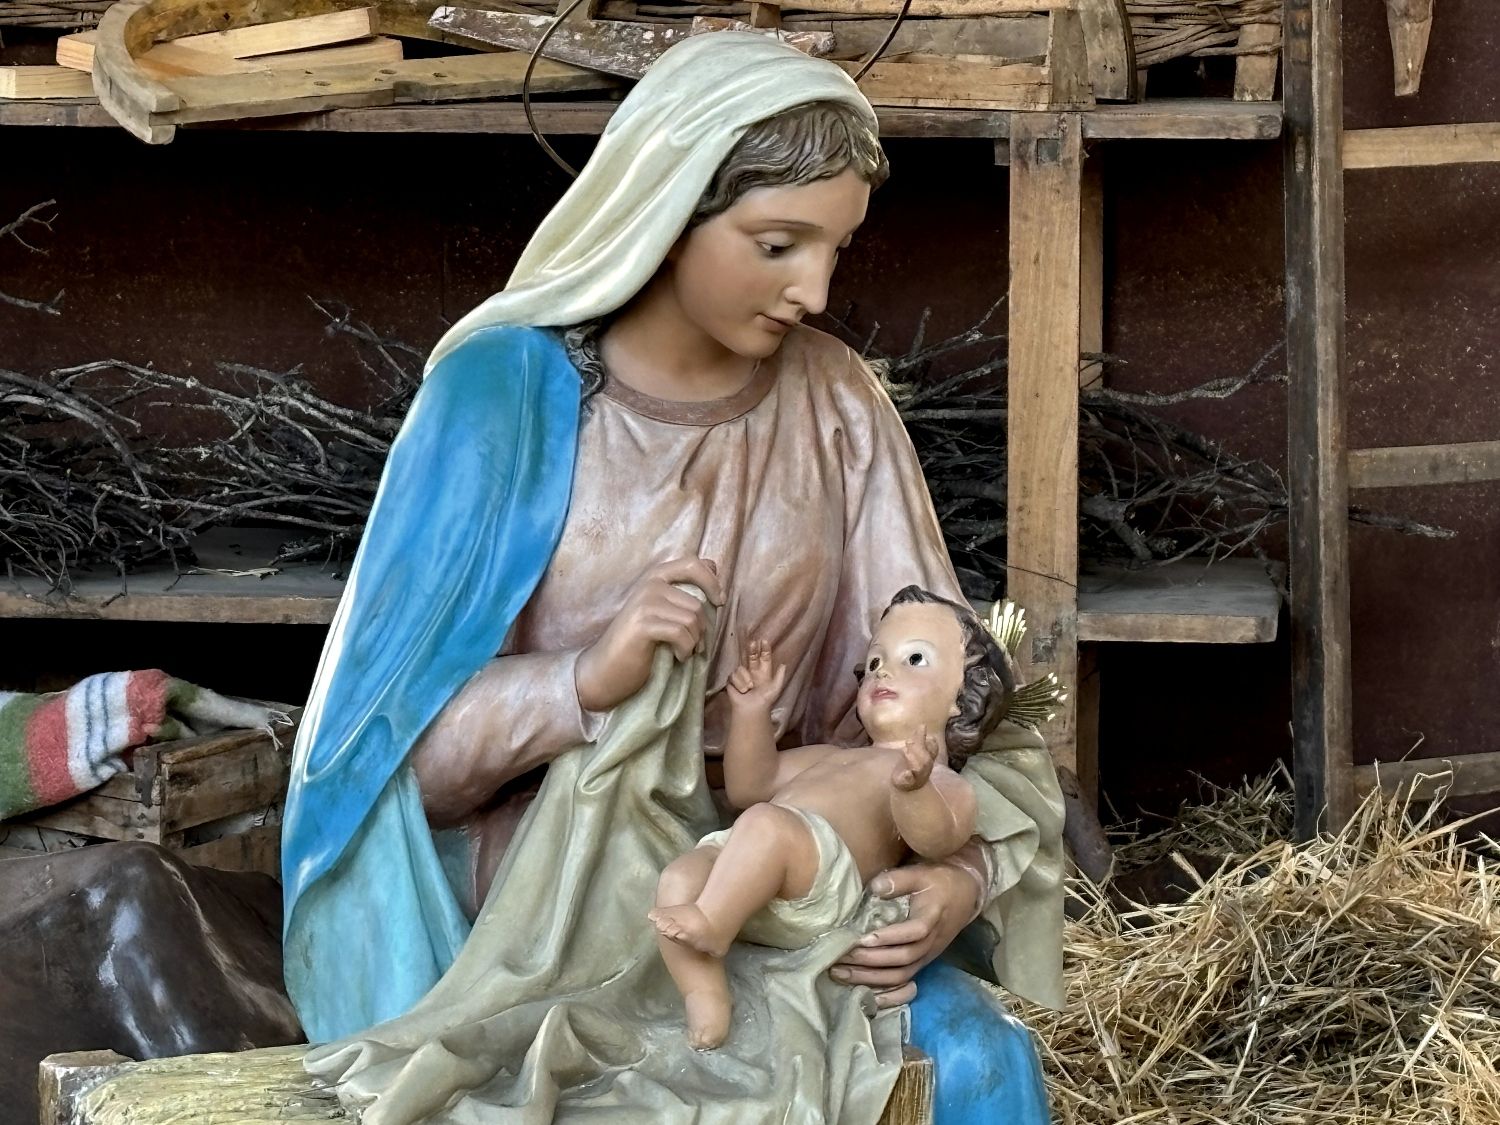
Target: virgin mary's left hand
886,960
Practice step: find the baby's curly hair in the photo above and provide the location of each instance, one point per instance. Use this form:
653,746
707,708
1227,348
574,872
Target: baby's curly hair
989,677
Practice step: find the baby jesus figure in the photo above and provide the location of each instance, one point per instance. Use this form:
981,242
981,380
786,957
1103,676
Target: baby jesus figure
820,821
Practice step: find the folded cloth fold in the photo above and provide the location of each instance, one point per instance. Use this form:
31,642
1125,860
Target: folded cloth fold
56,745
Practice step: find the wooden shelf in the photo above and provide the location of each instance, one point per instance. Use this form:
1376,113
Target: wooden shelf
1231,602
1167,119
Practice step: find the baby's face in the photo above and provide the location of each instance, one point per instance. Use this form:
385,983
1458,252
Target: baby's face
913,671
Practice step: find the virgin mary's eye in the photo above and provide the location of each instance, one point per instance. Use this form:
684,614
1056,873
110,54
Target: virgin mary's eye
917,660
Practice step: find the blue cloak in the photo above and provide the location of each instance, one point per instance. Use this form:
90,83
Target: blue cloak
469,512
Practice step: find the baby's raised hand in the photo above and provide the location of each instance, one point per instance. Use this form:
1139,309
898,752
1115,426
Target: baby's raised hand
918,756
758,681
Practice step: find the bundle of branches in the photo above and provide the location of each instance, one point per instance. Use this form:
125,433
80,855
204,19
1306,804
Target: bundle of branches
88,475
1151,491
84,477
1351,980
1170,29
69,15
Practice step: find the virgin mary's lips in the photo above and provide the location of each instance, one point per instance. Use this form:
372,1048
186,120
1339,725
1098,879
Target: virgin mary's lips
782,325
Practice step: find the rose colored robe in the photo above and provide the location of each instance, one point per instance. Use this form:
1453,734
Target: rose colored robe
805,491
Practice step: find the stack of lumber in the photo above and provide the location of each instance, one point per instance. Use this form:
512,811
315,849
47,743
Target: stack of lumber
157,64
984,54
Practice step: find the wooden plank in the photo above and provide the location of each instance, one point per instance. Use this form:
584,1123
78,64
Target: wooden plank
456,78
1405,466
1020,38
282,35
173,60
1410,26
259,849
244,777
1255,75
1317,462
103,818
816,43
131,96
1042,430
1068,62
1232,601
1185,119
1110,49
43,82
1421,146
1463,775
940,83
77,52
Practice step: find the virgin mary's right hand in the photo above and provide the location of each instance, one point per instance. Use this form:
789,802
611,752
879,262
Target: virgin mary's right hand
616,666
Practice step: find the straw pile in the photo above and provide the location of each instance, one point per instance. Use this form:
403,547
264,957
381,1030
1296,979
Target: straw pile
1352,980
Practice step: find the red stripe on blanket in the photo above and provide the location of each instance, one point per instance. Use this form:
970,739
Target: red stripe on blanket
47,751
146,699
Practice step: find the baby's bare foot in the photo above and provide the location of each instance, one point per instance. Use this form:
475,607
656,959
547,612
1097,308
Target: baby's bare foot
707,1018
689,926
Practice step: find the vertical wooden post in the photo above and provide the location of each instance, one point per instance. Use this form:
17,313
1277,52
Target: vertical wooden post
1090,339
1317,470
1046,172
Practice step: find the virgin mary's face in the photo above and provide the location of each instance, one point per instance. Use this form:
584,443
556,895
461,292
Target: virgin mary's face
749,274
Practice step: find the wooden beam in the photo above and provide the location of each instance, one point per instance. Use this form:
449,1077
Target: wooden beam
1420,146
1408,465
1232,601
44,82
1463,775
610,47
1317,464
1410,25
1046,173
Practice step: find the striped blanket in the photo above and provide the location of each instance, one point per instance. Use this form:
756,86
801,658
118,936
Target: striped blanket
61,744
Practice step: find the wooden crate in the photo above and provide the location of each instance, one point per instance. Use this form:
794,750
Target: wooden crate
216,799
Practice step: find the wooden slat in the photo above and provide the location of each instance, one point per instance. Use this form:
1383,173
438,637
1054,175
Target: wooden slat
1463,775
104,818
1409,465
1255,74
1421,146
287,35
1042,430
77,52
1317,463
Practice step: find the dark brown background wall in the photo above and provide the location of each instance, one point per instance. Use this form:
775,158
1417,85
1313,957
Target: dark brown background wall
208,249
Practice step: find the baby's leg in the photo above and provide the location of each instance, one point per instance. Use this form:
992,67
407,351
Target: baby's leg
770,853
698,976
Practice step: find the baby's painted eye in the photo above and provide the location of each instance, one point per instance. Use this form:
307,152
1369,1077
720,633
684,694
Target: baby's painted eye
917,660
874,665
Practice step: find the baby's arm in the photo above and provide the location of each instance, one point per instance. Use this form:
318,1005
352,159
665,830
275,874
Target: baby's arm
933,807
754,770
